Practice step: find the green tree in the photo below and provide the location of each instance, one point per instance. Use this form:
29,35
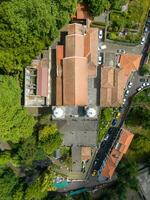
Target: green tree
26,27
145,70
127,172
97,7
39,188
27,156
49,139
10,186
15,122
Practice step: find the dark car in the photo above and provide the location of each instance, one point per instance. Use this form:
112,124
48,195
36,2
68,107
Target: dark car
144,80
114,122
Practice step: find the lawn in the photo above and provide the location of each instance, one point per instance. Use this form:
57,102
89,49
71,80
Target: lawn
128,26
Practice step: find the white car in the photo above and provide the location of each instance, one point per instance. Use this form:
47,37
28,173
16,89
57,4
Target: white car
147,84
130,85
146,29
139,89
103,46
126,92
100,34
143,40
144,84
100,59
106,137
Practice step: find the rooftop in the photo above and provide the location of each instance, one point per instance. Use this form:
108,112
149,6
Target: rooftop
80,57
82,12
117,152
114,79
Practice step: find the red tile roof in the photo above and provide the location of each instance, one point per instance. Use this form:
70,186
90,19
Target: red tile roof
73,67
113,80
85,153
42,81
112,84
117,153
82,12
79,63
130,63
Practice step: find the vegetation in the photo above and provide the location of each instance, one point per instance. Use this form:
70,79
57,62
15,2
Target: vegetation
138,122
127,26
127,173
49,140
27,27
106,116
97,7
15,122
145,70
14,188
117,4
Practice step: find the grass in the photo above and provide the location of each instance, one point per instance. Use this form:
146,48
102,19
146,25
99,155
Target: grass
133,19
106,116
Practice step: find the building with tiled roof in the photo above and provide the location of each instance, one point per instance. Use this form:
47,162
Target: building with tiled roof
82,12
114,79
85,153
37,87
76,62
117,153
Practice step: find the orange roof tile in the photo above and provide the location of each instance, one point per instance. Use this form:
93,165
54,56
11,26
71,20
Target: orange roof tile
80,58
74,45
75,28
73,67
42,81
130,63
59,54
116,153
82,12
85,153
112,85
125,139
91,70
115,79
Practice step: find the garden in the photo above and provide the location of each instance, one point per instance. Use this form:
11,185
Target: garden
126,22
105,119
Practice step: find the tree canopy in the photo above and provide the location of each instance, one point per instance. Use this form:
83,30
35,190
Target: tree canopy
26,27
139,123
15,122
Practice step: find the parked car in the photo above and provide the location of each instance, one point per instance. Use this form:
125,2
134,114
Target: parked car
114,122
146,29
126,93
106,137
100,60
130,84
139,89
100,34
94,173
121,51
143,40
144,84
143,79
118,114
103,46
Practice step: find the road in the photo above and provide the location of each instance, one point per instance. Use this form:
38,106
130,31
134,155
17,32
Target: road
113,132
